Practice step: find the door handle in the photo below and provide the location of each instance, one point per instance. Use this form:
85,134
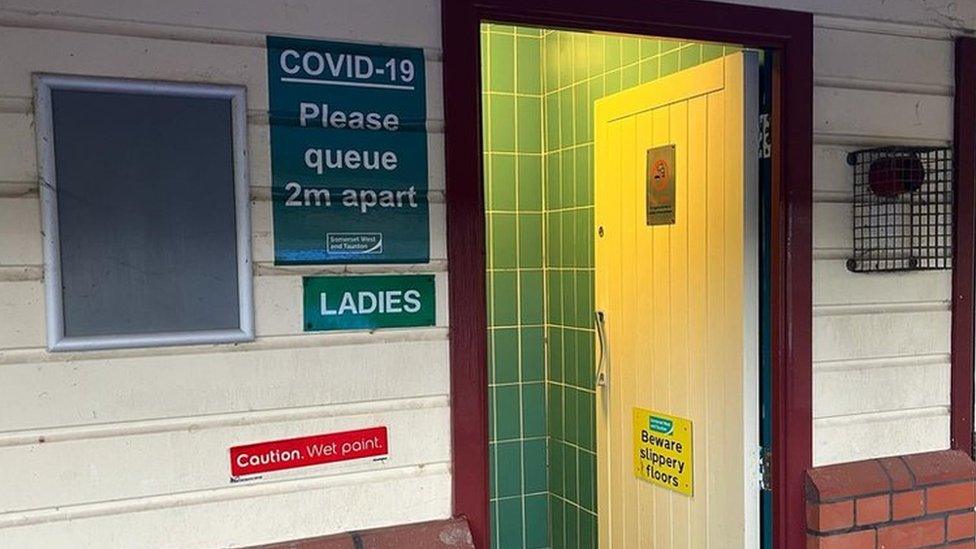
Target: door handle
603,365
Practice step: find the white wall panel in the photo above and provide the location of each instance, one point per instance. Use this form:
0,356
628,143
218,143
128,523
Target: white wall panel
21,315
833,284
132,465
853,336
245,514
297,372
853,438
18,146
872,114
832,225
413,22
128,57
277,305
20,231
885,60
880,385
831,173
943,14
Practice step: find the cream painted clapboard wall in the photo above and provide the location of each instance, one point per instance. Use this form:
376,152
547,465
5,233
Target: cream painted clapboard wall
883,75
130,447
883,72
880,341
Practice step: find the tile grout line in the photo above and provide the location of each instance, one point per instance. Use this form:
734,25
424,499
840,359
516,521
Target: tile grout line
518,294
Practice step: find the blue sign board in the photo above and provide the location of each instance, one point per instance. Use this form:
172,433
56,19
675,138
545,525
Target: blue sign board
348,152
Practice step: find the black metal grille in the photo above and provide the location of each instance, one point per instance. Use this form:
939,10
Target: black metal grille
902,209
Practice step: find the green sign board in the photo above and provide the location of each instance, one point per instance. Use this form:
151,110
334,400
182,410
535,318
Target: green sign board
348,152
368,302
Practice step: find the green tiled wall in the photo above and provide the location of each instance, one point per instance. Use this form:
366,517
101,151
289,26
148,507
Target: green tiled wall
538,94
512,101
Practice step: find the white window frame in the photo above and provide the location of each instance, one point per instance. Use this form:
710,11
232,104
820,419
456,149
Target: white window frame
56,339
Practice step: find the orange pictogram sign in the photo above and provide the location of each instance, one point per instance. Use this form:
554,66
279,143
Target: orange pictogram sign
659,175
660,185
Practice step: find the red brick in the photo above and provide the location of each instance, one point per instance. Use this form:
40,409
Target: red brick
912,534
846,480
951,497
940,467
853,540
901,477
872,510
826,517
968,544
907,505
962,526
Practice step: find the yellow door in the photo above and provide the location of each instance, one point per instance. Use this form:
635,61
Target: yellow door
679,304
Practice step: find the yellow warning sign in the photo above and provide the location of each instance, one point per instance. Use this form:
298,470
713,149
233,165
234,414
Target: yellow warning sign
663,451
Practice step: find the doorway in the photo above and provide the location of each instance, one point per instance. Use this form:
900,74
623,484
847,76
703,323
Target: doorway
568,118
467,235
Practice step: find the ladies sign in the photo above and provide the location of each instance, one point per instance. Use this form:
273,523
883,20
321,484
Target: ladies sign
368,302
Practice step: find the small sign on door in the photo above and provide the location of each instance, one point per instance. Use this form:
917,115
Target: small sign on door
663,451
660,185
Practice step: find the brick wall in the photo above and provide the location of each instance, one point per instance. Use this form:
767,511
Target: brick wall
921,500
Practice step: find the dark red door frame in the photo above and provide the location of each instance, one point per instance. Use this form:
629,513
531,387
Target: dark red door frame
964,238
790,34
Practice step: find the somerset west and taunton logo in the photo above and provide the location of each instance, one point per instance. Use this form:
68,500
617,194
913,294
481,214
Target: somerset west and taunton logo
354,243
661,425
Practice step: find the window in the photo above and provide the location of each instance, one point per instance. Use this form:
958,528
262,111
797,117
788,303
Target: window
144,195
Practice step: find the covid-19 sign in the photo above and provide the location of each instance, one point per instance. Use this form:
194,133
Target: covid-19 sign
348,152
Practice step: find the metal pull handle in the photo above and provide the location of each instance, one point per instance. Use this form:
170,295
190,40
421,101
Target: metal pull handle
603,366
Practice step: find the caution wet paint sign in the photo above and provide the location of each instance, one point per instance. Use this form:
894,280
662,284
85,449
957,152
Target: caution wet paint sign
663,451
277,455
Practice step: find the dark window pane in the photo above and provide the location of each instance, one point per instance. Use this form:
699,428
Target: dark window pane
146,213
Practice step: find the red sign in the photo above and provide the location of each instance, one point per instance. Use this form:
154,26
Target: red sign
292,453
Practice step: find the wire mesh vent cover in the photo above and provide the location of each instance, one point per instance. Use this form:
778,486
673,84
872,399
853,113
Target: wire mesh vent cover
902,209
